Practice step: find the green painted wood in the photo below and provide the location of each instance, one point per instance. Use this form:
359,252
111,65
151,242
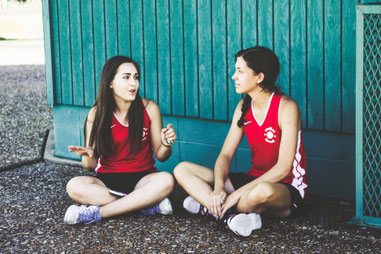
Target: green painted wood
177,57
65,52
234,44
348,68
56,58
137,41
205,59
163,55
332,78
111,27
249,24
298,55
150,52
48,47
99,39
282,42
76,53
265,23
315,80
124,27
190,59
219,60
90,85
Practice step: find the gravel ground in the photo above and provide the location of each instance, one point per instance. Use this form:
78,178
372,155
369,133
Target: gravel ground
24,115
33,202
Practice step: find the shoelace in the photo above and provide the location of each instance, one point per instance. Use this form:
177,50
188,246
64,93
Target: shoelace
151,210
88,215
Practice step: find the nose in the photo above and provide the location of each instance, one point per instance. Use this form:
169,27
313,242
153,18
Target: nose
234,77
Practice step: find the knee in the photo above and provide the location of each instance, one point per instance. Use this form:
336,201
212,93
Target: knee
74,187
167,182
260,194
181,170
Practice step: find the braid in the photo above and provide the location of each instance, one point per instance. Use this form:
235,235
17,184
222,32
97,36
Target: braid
245,107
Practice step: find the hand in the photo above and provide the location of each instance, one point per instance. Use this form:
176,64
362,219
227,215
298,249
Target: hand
82,151
168,135
216,199
231,201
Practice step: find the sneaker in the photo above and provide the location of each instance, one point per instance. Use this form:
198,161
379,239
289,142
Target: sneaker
164,207
82,214
243,224
194,207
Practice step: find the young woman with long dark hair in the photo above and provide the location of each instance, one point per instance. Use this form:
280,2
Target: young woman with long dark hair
276,182
122,133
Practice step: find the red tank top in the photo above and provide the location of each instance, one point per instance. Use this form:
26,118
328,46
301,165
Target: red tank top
264,141
121,161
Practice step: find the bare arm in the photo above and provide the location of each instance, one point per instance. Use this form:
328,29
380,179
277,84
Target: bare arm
159,136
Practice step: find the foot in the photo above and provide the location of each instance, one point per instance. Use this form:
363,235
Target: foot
82,214
194,207
164,207
243,224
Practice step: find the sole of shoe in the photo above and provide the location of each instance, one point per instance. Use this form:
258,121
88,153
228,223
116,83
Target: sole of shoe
243,224
166,207
71,215
191,205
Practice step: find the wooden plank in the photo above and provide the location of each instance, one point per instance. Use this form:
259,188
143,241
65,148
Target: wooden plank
65,52
99,38
298,55
177,57
349,65
76,53
332,79
219,60
124,27
282,42
265,23
111,22
163,55
137,41
234,43
315,64
90,85
190,59
205,59
150,49
56,53
249,24
48,50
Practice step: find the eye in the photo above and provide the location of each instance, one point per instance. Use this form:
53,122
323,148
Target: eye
126,77
136,77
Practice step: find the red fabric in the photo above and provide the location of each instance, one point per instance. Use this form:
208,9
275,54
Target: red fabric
264,141
121,161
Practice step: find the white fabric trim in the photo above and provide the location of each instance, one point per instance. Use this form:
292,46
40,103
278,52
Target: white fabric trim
125,125
297,170
267,110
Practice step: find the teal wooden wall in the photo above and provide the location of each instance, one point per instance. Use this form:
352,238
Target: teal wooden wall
186,50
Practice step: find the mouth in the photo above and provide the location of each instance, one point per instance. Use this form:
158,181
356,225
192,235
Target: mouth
132,91
236,85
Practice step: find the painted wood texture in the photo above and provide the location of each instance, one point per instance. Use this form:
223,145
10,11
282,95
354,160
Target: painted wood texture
186,52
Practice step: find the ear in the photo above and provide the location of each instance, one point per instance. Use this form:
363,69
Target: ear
261,77
111,86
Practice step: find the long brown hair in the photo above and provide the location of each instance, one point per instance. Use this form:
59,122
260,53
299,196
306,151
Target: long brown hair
104,105
260,59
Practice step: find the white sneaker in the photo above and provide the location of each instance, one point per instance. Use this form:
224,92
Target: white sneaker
243,224
82,214
164,207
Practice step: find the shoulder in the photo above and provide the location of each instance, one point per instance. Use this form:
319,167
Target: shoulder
288,105
151,107
91,114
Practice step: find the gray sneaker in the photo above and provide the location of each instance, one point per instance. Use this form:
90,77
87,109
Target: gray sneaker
82,214
243,224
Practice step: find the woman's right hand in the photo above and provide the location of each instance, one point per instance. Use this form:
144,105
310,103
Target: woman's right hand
216,199
82,151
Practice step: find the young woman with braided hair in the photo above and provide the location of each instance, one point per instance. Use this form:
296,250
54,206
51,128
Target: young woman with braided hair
276,182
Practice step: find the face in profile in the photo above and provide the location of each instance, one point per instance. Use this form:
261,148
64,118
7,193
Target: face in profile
245,78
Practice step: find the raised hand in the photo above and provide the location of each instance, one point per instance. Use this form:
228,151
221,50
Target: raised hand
168,135
82,151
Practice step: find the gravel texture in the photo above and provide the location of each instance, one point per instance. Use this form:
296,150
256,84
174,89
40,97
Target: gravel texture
33,202
24,114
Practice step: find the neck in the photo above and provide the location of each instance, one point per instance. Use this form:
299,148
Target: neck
122,107
260,97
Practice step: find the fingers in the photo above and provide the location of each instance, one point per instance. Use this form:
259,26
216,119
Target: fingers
169,134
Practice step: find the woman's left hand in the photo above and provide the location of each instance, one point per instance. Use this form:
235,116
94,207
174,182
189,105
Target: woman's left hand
168,135
230,201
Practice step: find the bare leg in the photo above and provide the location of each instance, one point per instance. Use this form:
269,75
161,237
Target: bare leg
150,190
197,181
272,198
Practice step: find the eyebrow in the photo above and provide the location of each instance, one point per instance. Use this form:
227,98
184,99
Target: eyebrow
127,73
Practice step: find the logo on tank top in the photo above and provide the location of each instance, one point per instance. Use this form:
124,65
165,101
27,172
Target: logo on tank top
145,134
270,135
